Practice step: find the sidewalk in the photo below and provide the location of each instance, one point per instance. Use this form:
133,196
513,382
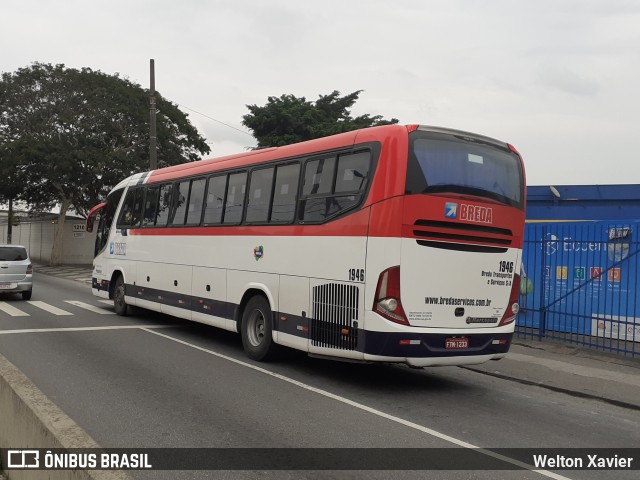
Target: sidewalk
79,273
561,367
570,369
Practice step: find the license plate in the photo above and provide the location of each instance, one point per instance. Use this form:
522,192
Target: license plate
456,343
7,286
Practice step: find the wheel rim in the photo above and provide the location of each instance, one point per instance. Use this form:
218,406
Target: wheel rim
256,328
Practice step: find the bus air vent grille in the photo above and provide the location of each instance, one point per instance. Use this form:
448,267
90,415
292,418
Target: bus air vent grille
335,316
440,231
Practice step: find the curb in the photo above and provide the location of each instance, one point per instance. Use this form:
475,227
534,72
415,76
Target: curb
573,393
28,419
571,370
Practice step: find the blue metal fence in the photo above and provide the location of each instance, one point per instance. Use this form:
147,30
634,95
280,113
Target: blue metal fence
580,284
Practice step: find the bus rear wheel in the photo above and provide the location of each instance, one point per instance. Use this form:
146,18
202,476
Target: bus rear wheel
257,330
119,303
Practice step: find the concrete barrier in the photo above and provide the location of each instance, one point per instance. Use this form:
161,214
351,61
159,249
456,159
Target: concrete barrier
28,419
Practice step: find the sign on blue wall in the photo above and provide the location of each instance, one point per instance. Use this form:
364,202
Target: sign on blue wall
582,278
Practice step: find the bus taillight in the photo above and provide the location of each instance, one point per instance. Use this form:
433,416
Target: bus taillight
387,300
513,307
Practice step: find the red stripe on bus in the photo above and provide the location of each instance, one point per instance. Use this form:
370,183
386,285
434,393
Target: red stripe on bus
354,225
393,218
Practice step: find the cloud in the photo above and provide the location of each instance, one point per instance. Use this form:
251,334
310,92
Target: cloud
565,80
557,78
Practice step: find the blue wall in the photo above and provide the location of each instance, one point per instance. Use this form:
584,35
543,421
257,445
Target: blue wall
583,202
581,266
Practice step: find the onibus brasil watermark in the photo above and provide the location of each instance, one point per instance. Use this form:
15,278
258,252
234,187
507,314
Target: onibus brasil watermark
367,459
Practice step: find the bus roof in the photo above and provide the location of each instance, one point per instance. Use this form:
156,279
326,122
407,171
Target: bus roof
252,157
274,153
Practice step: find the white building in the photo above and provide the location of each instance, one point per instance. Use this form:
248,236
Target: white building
37,234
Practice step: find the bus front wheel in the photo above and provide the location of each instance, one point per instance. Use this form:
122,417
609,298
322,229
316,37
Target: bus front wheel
256,330
119,303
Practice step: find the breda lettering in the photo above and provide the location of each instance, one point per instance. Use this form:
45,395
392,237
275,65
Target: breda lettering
472,213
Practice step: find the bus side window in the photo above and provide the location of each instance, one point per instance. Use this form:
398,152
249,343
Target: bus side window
234,205
214,206
353,172
150,207
196,198
179,207
318,176
124,220
260,186
328,191
283,209
318,186
136,212
164,204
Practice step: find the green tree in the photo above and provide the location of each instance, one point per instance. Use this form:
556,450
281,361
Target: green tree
288,119
76,133
10,187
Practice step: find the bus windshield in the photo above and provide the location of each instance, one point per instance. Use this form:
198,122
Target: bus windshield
457,164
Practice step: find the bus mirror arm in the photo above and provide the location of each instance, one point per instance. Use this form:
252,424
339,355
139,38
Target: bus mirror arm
91,216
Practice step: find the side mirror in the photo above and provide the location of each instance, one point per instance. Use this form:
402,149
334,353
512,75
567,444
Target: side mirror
93,213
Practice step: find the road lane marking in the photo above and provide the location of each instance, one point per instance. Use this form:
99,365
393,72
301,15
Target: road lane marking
84,329
360,406
49,308
13,311
91,308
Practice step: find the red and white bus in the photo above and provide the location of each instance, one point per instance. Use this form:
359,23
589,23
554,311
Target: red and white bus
392,244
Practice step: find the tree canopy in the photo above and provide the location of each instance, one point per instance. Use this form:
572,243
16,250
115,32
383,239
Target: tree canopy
76,133
10,185
289,119
70,135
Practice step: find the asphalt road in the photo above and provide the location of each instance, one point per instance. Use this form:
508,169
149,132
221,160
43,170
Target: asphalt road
149,380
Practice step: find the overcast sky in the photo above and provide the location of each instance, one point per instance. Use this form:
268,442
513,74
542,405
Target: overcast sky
559,79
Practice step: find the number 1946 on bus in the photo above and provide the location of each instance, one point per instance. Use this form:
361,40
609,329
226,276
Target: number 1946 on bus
356,274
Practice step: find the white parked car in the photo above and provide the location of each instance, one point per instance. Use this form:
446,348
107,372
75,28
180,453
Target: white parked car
16,271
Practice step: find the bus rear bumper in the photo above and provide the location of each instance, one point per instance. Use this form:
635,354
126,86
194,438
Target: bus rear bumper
436,361
426,350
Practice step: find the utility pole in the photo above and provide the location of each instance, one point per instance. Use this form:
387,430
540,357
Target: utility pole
153,153
10,222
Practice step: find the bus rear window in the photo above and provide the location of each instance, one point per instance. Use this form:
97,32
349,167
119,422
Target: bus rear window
453,164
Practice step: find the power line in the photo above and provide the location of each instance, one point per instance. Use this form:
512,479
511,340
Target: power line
216,120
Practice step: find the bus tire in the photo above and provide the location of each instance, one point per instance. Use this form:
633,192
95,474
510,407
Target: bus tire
119,303
256,330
